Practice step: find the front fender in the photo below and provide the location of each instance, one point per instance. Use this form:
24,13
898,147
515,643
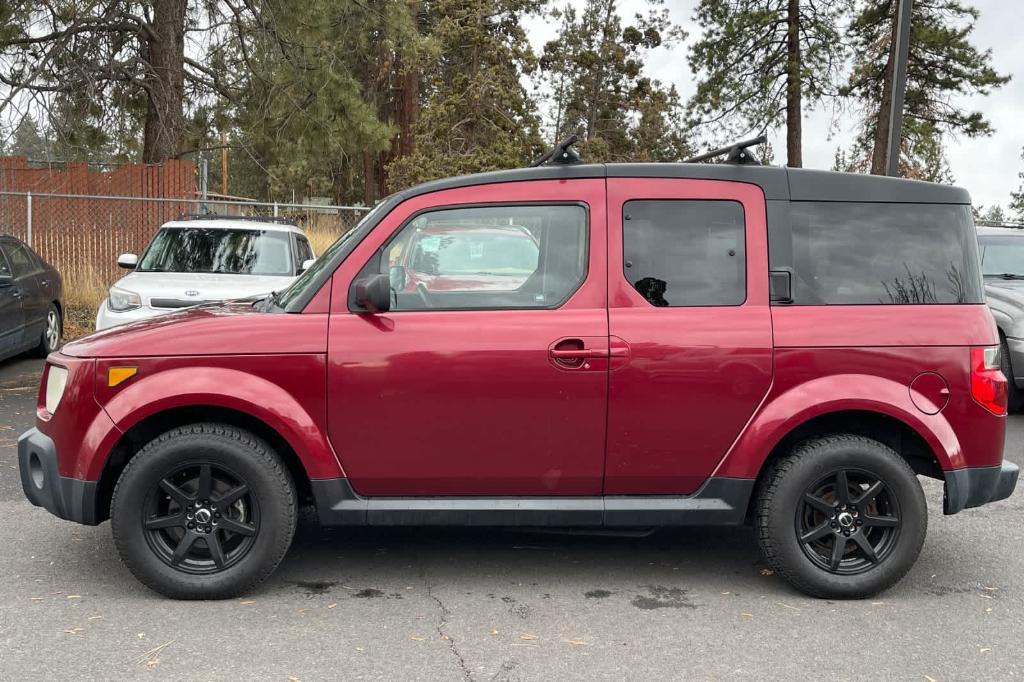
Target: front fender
264,390
783,412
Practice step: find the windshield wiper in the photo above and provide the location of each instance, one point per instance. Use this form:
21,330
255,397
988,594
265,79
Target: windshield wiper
1009,275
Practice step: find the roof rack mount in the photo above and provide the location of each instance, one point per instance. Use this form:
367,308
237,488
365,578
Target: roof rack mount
561,154
734,153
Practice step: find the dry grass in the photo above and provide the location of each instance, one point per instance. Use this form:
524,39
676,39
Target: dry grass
86,284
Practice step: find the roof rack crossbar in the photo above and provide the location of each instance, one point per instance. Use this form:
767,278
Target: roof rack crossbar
734,153
254,218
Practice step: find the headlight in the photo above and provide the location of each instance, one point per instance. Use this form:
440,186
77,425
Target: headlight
121,300
56,380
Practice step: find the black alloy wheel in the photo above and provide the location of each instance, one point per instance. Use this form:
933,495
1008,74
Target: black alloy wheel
848,522
201,518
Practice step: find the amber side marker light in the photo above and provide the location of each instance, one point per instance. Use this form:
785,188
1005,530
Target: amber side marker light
119,375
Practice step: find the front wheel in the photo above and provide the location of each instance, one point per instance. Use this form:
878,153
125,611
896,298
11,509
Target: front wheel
841,517
205,511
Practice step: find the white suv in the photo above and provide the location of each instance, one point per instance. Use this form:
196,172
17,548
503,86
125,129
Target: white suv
202,259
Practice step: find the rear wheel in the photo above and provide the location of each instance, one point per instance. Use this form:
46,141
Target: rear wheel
205,511
841,517
1014,399
52,332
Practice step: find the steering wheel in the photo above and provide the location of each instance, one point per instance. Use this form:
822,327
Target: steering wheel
421,289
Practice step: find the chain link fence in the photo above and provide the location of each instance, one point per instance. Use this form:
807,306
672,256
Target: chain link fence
73,231
82,235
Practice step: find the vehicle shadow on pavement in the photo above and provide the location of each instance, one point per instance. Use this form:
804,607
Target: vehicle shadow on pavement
478,557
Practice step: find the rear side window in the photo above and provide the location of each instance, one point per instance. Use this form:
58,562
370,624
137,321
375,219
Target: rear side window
21,260
682,253
864,253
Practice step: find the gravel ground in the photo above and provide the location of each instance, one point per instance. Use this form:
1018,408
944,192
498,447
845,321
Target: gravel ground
503,605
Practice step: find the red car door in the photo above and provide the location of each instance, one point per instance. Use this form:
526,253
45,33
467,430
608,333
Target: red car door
690,328
496,383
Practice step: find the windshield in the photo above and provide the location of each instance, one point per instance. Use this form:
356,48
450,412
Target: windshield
216,250
468,252
1002,255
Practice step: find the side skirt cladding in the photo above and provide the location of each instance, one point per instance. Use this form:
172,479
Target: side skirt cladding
720,501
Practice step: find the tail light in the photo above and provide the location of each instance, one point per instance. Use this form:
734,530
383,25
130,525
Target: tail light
988,385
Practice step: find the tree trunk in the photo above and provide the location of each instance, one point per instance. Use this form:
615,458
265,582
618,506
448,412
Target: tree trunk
165,82
794,121
369,184
408,98
881,147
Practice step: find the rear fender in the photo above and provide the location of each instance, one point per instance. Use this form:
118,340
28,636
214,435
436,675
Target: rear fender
782,413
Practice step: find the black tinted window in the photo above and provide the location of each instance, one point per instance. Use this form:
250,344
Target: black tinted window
685,253
5,269
21,259
860,253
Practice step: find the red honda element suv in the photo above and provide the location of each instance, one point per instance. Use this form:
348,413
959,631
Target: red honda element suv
668,344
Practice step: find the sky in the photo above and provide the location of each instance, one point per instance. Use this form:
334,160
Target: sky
987,167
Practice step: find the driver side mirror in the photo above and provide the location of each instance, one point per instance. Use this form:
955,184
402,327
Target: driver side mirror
306,265
373,293
128,261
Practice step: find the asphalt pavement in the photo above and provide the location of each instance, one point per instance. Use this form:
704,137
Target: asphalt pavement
503,605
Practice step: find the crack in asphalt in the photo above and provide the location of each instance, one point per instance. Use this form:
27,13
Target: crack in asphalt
445,614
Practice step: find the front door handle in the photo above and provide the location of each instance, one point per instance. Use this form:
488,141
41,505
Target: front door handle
573,353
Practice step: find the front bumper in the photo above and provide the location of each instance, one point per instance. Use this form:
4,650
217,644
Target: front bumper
975,486
66,498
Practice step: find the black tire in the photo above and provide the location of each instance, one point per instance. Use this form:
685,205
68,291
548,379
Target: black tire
1014,397
892,523
53,331
255,528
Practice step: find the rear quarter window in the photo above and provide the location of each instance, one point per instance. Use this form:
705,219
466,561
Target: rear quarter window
845,253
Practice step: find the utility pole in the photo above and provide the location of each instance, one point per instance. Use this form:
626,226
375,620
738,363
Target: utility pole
899,85
224,162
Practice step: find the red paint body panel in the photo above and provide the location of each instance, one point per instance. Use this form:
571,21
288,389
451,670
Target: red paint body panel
232,329
812,382
844,326
285,392
694,375
472,403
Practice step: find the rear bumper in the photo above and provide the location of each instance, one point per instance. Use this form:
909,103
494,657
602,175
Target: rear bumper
975,486
66,498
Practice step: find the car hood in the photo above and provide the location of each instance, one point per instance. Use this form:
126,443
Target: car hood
234,328
199,287
1009,291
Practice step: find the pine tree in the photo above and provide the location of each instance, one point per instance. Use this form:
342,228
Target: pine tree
760,62
27,140
476,113
1017,198
942,65
594,72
